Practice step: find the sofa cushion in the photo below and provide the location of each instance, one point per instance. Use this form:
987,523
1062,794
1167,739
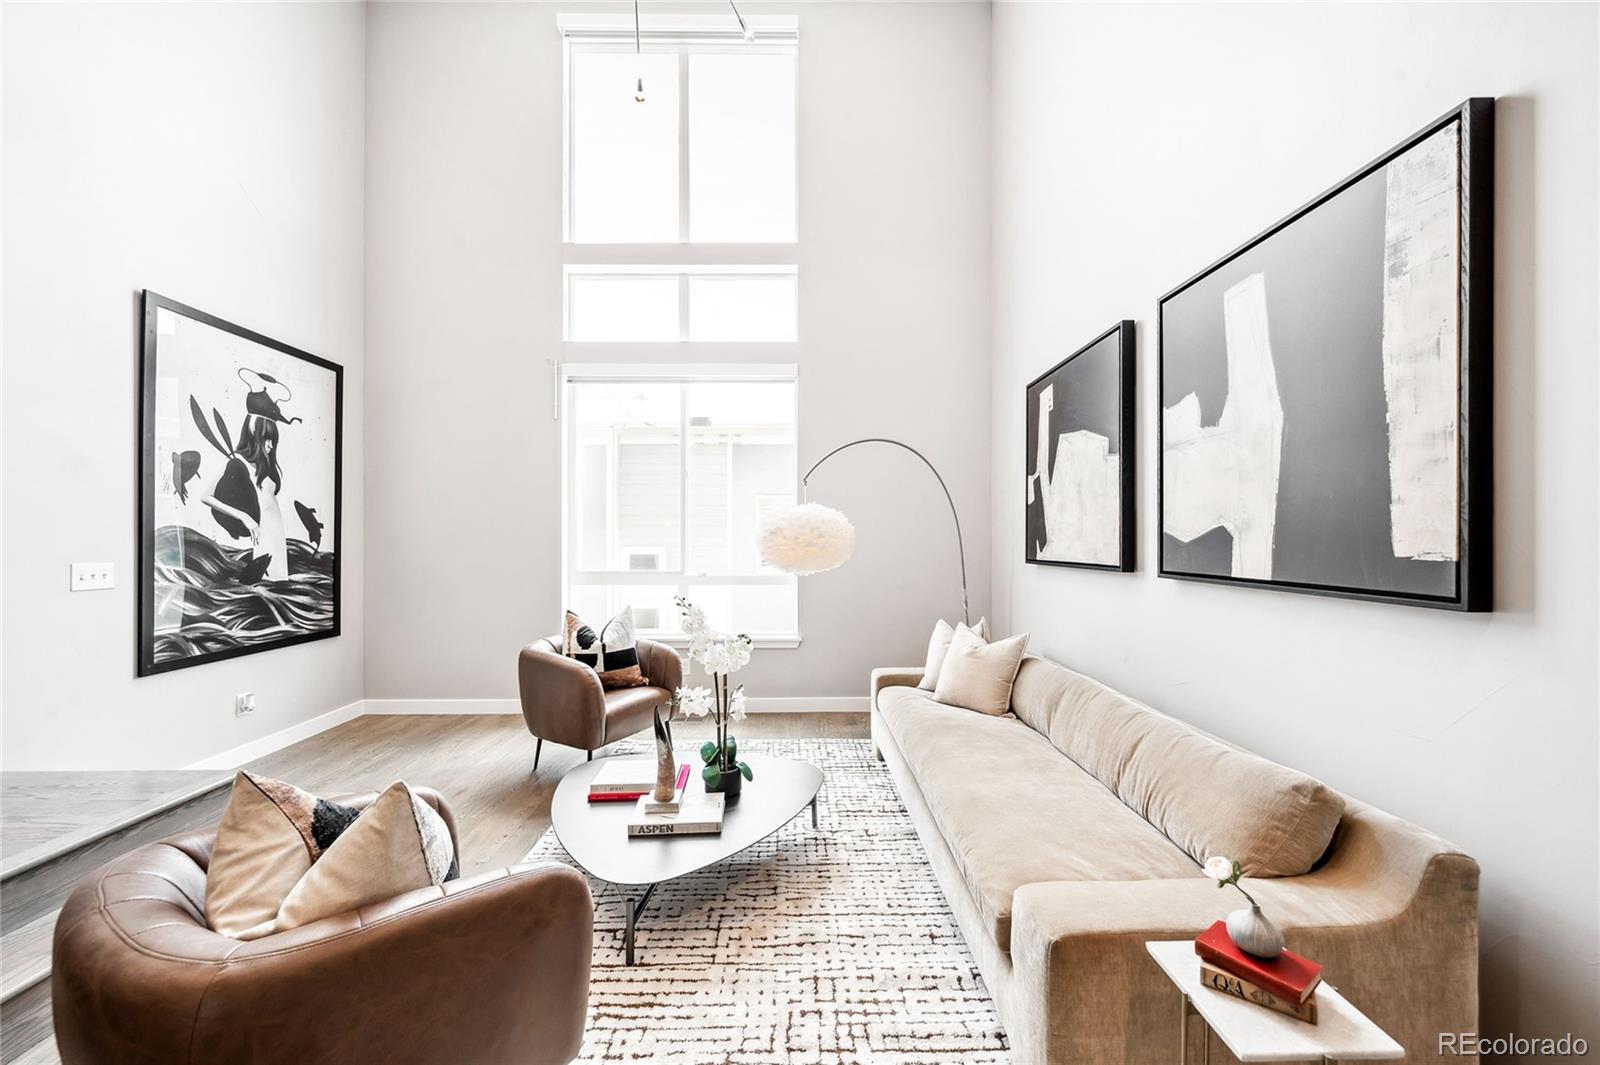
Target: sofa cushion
1207,796
1013,811
939,646
979,675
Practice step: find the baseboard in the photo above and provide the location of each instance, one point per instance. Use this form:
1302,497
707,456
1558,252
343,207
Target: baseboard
442,706
235,757
807,704
260,748
755,704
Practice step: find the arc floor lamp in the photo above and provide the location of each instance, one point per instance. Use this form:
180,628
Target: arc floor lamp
810,538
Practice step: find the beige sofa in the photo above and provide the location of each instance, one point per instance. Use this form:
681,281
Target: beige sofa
1068,832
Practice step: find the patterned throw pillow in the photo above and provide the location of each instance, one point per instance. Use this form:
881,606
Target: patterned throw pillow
398,844
271,834
613,652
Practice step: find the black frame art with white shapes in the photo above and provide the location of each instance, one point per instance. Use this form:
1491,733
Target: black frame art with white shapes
240,485
1080,457
1326,411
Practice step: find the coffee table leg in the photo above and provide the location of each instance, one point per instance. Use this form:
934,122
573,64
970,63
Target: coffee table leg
634,910
814,799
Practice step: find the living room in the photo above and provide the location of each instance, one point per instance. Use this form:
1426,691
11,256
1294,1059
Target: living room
799,532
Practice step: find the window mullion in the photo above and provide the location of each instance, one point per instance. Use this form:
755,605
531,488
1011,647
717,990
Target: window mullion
683,145
683,484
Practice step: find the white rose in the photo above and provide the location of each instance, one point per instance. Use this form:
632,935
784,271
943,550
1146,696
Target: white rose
1219,868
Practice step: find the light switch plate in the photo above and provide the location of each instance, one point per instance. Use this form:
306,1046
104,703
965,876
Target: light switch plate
93,576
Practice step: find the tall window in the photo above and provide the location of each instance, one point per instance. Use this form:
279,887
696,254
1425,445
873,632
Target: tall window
668,473
681,229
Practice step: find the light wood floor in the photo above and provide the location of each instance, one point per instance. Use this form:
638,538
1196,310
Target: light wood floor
40,812
483,764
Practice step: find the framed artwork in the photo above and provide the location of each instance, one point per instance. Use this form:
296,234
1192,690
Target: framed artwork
1325,388
1080,457
240,481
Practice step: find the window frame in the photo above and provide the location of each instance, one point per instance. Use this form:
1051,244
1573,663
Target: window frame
685,277
682,35
574,374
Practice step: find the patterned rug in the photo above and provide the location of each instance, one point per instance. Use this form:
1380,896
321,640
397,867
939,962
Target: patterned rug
831,945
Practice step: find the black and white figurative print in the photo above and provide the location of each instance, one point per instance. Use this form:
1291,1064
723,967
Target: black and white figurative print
1080,460
1312,394
241,477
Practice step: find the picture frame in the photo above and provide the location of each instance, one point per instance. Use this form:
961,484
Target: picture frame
225,568
1353,340
1090,520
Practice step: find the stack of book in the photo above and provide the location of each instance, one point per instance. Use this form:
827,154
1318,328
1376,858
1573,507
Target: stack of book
627,779
1286,984
698,814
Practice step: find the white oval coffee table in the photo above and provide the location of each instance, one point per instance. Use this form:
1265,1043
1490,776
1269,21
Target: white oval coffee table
596,836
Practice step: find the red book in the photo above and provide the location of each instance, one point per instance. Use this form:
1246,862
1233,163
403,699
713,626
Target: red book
635,796
1288,975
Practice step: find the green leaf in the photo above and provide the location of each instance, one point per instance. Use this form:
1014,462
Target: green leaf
733,749
711,775
708,751
744,767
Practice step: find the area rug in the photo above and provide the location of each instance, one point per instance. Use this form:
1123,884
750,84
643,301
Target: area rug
830,945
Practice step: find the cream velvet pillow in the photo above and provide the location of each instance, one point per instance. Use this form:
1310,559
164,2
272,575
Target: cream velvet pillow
939,646
979,675
270,836
398,844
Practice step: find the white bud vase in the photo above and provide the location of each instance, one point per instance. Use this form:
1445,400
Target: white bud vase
1252,933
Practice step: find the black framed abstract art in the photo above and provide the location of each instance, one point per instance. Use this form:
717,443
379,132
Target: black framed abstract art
1080,457
242,452
1325,388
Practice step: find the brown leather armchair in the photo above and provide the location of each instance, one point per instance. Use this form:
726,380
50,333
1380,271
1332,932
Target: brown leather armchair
492,967
562,700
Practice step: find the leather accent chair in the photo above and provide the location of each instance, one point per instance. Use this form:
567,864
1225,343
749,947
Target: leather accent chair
491,967
563,702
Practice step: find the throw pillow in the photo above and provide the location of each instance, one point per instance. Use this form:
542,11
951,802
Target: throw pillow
939,646
613,653
398,844
271,833
979,675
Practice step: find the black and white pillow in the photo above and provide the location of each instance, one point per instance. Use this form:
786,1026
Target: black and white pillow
612,652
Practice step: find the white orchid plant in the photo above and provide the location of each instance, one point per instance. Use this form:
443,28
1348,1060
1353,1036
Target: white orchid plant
1226,871
719,655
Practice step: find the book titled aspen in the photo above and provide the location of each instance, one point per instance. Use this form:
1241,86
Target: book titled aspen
698,815
1229,984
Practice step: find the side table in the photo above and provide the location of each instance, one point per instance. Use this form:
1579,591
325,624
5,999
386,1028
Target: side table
1254,1033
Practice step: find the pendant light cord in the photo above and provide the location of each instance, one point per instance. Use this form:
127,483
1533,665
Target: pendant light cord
742,27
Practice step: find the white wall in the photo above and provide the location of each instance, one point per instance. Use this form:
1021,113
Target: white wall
213,153
463,312
1135,145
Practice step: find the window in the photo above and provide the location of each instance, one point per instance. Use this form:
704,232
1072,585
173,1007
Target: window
708,155
680,227
669,303
668,472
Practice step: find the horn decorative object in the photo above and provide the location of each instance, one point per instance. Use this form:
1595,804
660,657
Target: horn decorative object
666,769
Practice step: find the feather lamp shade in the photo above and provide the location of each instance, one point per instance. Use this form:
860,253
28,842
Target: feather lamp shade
807,538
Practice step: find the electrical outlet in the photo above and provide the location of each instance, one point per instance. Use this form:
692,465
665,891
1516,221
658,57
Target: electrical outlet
92,576
244,703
